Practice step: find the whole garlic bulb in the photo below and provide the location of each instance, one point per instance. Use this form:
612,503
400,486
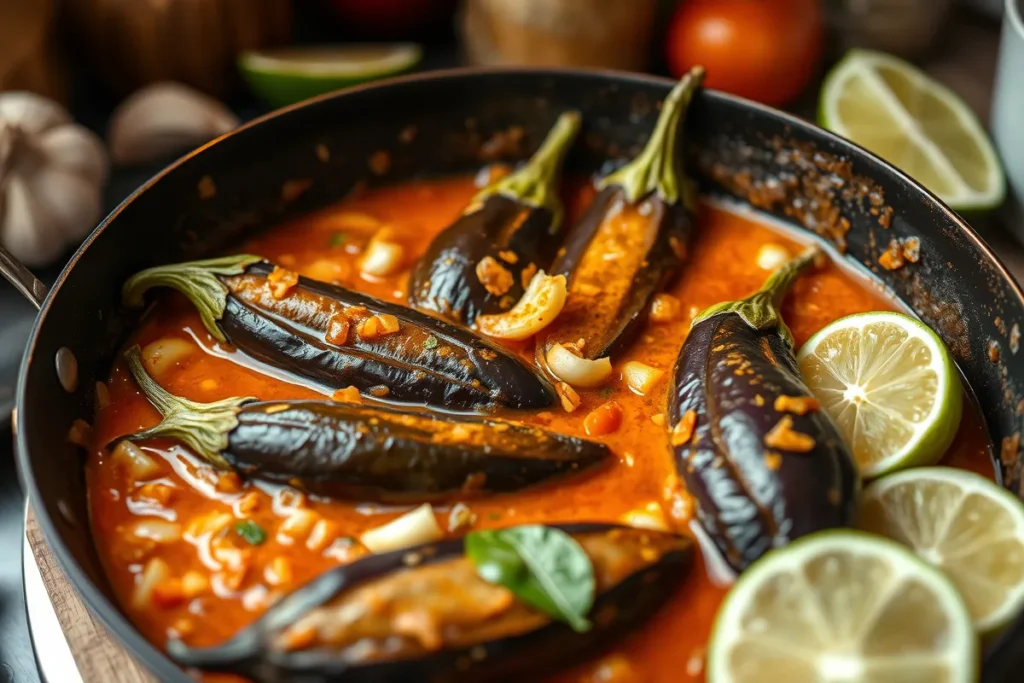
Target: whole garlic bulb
51,175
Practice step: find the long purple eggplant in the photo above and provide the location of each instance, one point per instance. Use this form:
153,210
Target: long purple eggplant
370,452
317,331
764,464
483,261
426,614
631,241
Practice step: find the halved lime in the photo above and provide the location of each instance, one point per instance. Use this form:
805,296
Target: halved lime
842,607
889,384
911,120
289,75
964,524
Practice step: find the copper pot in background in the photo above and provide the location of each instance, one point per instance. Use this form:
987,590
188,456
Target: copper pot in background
573,33
132,43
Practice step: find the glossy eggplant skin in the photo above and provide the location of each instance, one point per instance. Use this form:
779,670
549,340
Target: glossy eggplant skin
518,656
371,452
609,299
755,488
428,361
510,238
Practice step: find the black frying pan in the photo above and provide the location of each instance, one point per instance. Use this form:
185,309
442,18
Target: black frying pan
808,177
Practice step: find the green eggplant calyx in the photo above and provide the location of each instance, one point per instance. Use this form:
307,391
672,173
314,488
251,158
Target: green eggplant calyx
659,168
536,183
198,280
760,310
203,427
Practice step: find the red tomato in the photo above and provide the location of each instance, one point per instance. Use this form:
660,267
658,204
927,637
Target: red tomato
765,50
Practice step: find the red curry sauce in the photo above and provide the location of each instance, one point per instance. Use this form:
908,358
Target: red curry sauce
206,592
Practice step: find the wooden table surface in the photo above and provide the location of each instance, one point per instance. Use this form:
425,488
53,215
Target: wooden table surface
966,63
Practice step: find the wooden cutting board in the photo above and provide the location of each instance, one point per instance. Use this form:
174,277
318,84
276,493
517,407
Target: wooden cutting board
96,653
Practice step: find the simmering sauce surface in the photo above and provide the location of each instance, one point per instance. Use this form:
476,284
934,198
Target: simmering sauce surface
208,590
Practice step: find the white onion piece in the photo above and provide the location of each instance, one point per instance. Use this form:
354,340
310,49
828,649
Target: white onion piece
412,528
381,258
540,304
640,377
158,530
575,370
155,573
650,516
139,465
771,256
163,354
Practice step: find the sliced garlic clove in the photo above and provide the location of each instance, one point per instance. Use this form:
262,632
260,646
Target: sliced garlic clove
575,370
540,304
164,118
413,528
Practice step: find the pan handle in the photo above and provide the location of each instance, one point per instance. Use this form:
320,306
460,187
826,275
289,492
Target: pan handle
22,278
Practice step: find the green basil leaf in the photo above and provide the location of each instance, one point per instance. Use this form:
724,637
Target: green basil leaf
543,566
252,532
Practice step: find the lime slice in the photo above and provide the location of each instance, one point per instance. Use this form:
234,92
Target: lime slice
889,384
967,526
911,120
290,75
842,607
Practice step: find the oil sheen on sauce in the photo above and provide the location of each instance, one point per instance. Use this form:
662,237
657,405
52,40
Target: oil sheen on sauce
230,587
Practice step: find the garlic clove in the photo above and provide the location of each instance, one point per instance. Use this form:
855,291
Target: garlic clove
76,149
23,229
575,370
67,201
32,113
540,304
164,118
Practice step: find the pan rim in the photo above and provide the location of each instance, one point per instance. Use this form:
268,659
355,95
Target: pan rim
107,611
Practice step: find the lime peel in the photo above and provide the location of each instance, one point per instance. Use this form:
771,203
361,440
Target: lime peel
893,410
756,620
885,505
887,127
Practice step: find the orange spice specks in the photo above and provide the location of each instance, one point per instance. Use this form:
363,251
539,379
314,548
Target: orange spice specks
798,405
495,277
758,400
281,282
337,329
773,460
567,396
784,438
526,274
683,431
508,256
766,348
347,395
604,419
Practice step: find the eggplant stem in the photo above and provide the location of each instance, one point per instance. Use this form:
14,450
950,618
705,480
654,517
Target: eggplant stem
659,167
198,280
203,427
761,309
536,183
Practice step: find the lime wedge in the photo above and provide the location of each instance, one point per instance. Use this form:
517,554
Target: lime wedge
842,607
289,75
914,122
889,384
967,526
